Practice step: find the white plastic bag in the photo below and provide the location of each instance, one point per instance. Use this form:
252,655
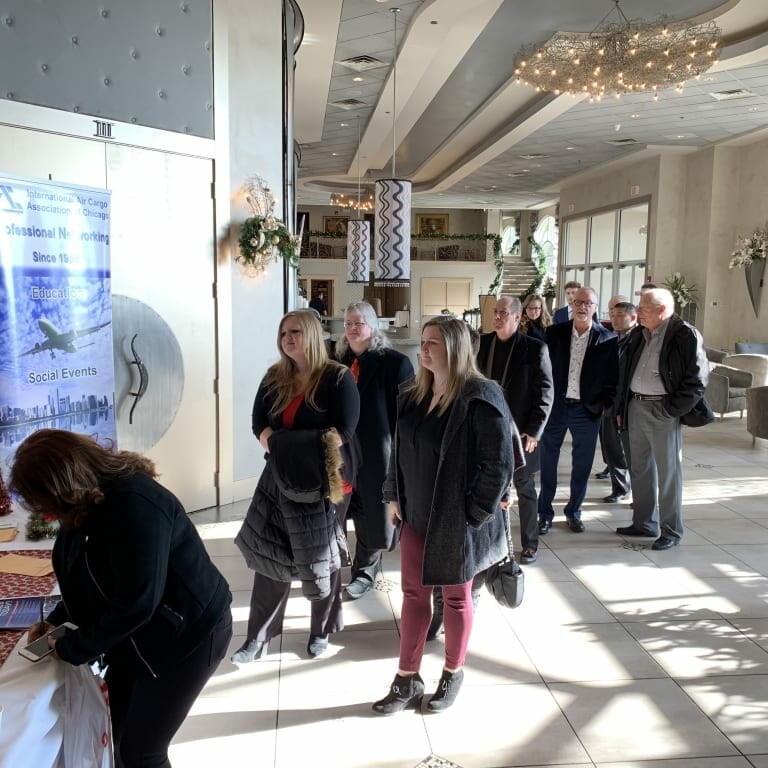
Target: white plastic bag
87,727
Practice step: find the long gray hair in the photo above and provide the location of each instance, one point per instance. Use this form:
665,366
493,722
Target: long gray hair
368,313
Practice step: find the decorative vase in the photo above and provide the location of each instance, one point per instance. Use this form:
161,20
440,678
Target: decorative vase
754,273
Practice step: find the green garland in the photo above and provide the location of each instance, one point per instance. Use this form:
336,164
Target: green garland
539,287
38,527
264,239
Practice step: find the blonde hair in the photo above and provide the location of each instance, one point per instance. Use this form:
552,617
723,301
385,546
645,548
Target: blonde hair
462,367
546,318
280,379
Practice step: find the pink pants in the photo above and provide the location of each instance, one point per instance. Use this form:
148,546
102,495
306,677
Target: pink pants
417,609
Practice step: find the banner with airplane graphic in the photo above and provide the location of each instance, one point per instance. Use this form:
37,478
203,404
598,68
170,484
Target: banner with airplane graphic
56,365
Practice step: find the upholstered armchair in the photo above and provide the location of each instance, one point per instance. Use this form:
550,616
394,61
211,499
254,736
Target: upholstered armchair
757,412
757,365
725,390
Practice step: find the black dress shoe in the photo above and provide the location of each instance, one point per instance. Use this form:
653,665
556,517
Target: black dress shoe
544,526
575,525
614,498
603,474
664,542
630,530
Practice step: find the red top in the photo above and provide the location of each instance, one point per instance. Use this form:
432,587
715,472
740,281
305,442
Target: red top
289,414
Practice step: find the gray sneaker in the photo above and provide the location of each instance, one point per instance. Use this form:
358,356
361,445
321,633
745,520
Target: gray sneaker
357,588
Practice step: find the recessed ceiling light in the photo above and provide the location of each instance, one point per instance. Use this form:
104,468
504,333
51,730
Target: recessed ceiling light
753,109
635,115
343,125
334,154
357,79
570,147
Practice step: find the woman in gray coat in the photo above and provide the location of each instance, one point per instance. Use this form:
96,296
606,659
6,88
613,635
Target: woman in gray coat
452,461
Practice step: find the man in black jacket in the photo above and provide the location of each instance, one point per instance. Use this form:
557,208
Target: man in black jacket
663,375
585,367
520,364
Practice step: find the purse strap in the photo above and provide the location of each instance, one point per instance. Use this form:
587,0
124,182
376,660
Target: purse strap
508,532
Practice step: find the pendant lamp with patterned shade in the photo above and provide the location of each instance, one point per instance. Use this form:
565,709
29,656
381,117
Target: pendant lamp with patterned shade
392,208
358,251
358,236
393,232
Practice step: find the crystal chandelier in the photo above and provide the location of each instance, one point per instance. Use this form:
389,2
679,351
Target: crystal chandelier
350,202
620,56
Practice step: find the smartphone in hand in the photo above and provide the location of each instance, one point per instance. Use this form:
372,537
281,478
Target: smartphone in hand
39,649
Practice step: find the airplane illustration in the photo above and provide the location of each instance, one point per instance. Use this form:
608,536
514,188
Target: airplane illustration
55,339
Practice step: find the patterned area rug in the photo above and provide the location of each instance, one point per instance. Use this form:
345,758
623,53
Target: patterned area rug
16,585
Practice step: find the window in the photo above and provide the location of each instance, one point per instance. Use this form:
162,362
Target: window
607,251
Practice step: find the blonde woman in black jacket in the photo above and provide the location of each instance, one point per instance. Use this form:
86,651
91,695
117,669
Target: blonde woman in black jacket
136,580
289,532
452,461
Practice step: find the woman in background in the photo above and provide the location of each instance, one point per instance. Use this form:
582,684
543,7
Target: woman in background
378,371
536,318
452,460
304,416
136,580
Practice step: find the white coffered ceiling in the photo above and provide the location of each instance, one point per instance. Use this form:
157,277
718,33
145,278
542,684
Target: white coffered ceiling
467,134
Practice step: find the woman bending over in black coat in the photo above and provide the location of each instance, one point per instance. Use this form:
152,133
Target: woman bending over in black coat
304,416
136,580
378,371
452,460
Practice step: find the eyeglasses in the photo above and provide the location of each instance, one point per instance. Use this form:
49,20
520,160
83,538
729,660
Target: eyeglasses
503,314
532,308
354,325
580,303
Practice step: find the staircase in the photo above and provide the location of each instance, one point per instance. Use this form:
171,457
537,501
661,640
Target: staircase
517,275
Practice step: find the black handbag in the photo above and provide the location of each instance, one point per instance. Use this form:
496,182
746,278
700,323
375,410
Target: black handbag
506,580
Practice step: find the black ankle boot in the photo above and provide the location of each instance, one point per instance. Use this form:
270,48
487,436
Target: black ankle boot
447,690
436,625
404,692
250,650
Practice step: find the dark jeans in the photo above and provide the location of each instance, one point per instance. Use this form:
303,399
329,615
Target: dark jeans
573,418
147,712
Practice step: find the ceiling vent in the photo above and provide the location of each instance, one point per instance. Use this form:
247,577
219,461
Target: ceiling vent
348,104
621,142
732,93
533,156
362,63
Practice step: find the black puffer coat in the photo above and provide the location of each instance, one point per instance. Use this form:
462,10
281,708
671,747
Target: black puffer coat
291,530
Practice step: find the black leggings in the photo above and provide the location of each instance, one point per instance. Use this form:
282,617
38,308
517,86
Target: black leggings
147,711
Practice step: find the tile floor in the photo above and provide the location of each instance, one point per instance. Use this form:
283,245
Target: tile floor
619,656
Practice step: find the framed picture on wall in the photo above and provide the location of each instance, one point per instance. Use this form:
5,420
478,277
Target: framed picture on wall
335,225
432,223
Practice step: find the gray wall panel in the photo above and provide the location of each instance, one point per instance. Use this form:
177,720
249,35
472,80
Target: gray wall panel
143,61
